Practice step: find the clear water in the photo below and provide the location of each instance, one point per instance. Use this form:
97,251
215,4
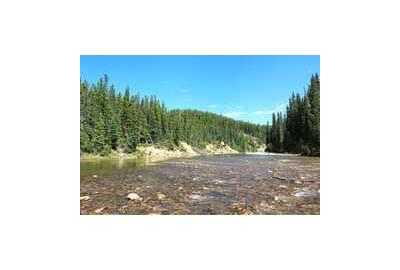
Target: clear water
221,184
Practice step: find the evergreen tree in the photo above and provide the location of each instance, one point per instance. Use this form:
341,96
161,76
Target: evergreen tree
298,131
123,121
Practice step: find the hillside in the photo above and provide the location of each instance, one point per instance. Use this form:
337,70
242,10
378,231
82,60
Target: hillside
110,121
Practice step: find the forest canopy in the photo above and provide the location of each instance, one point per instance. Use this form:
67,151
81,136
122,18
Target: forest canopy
111,120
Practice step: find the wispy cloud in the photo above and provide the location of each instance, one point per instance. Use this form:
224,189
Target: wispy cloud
263,112
212,106
279,108
185,90
233,114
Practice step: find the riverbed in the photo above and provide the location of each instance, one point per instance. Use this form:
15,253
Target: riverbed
220,184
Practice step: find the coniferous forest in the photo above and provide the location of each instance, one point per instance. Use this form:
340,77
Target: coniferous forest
114,120
298,130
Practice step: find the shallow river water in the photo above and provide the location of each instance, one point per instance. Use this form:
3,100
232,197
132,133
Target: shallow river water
220,184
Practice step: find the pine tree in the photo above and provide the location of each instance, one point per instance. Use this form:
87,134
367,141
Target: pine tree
111,121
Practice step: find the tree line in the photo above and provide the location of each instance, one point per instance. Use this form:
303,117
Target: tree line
111,120
298,130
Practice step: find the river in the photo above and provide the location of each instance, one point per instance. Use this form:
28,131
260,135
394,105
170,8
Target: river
219,184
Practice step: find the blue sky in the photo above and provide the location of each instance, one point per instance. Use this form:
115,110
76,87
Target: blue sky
246,88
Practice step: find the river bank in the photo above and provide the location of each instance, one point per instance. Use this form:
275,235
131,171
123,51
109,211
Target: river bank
154,153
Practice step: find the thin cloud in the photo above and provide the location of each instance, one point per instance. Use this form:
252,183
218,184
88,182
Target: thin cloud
233,114
263,112
212,106
186,90
279,108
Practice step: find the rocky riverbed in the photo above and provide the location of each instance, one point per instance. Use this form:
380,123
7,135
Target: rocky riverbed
221,184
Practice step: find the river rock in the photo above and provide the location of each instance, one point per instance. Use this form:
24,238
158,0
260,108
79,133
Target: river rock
197,197
303,193
161,196
239,208
85,198
280,198
134,197
99,210
94,176
219,181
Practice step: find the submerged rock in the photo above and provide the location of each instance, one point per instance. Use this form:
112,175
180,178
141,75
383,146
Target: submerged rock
219,181
134,197
303,193
197,197
216,194
161,196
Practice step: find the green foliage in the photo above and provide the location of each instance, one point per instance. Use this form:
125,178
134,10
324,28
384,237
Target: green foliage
109,122
298,131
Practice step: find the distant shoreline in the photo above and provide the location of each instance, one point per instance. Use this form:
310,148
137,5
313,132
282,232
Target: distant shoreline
156,158
272,154
154,154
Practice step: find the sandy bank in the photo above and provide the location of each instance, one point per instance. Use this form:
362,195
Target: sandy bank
154,153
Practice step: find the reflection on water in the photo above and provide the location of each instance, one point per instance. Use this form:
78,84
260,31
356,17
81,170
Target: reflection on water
104,166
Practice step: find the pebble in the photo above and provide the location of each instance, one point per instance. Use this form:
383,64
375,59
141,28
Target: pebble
161,196
238,208
303,193
85,198
134,197
196,197
280,198
99,210
94,175
180,188
219,181
196,178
